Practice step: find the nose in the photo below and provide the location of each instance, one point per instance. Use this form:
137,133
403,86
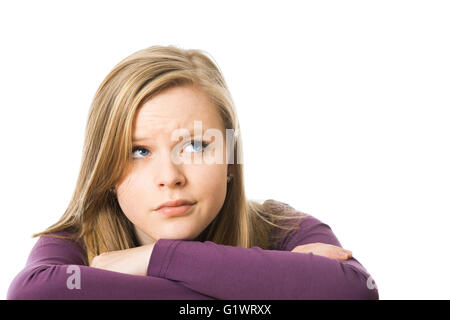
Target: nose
168,173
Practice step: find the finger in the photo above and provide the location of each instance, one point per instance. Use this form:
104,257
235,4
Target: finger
349,253
342,255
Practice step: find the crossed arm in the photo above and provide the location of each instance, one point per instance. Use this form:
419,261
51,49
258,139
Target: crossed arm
179,269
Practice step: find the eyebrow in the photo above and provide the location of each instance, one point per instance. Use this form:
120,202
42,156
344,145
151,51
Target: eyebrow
191,132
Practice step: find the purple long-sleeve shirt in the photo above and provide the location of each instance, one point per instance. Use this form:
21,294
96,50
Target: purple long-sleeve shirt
182,269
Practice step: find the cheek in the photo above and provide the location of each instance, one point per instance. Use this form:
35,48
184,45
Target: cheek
210,185
130,197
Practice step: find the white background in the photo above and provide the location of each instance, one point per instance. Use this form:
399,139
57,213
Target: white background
344,109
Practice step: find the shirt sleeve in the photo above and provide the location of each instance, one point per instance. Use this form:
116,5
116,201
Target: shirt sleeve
56,270
229,272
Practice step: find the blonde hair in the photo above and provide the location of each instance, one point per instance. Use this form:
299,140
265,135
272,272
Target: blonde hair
94,215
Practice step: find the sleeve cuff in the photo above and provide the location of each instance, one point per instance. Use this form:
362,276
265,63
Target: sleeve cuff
161,256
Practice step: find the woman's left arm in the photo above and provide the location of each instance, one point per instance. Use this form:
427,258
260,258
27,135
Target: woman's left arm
229,272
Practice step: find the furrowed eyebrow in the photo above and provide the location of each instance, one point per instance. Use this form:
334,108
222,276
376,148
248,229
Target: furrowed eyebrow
191,133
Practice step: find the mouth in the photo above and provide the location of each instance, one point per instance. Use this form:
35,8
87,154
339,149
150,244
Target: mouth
175,211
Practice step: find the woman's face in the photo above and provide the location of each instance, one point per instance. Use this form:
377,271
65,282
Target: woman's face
154,177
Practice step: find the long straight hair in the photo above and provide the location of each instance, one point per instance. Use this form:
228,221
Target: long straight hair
94,216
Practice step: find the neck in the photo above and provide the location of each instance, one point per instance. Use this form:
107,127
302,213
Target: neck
143,238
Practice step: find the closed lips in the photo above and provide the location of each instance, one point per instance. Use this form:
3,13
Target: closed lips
176,203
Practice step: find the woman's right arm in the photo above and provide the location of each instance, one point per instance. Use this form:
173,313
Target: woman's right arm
55,269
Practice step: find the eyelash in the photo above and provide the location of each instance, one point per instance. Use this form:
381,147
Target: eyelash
204,145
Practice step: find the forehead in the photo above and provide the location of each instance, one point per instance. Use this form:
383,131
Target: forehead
174,108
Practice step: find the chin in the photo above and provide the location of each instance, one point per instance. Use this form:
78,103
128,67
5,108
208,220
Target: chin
177,236
180,230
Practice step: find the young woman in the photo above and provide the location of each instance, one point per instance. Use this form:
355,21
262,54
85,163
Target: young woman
159,210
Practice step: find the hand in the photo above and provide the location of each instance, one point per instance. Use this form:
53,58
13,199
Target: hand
131,261
323,249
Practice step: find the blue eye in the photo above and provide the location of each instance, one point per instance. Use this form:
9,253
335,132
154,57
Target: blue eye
195,143
138,148
198,143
